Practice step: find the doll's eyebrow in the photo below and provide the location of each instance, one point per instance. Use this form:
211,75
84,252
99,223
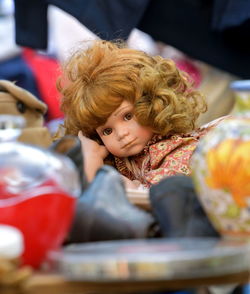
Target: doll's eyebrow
116,113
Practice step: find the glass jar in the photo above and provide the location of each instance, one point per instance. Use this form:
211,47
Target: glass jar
38,190
221,169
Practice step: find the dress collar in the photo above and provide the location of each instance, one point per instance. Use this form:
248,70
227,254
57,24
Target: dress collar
156,138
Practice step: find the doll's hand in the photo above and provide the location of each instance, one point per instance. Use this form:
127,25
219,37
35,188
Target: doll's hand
91,147
131,184
93,155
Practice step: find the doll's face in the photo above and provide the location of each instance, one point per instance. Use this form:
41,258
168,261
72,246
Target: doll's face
121,134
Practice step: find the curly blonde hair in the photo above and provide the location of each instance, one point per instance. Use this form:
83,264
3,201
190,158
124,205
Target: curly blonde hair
96,81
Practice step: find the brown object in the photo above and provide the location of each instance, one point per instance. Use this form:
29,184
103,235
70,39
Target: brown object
56,284
15,100
36,136
10,273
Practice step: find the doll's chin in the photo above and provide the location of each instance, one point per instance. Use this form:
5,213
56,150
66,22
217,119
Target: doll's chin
131,152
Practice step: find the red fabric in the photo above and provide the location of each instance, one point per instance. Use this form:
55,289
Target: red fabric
45,70
191,69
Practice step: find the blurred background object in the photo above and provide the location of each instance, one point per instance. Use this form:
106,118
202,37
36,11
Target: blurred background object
205,38
211,31
16,101
8,46
38,191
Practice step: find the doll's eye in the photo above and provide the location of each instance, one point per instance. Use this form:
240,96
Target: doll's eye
107,131
128,116
21,107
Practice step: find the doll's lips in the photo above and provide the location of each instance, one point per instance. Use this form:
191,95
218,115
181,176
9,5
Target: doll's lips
128,144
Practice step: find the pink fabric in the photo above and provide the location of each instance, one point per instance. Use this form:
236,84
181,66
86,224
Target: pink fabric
191,69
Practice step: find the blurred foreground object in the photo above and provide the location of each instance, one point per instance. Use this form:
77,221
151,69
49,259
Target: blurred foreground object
221,169
103,211
11,242
152,260
38,190
11,248
70,146
177,209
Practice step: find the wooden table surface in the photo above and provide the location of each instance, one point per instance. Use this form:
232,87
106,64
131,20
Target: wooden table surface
56,284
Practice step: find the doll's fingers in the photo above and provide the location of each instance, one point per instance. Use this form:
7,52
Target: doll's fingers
80,135
105,152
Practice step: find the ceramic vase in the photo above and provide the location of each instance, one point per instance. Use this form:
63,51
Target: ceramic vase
221,169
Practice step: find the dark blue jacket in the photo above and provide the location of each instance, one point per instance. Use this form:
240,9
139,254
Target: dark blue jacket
213,31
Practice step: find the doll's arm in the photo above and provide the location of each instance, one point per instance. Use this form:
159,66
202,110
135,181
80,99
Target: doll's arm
93,155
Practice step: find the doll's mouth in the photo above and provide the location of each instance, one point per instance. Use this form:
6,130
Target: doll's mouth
128,144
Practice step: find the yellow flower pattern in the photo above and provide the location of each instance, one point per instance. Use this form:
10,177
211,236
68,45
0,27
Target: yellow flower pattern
229,169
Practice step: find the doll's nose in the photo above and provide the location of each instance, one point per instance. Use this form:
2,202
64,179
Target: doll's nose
121,133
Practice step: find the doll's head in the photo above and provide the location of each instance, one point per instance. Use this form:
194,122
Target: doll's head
97,80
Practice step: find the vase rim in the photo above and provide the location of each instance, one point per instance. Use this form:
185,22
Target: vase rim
241,85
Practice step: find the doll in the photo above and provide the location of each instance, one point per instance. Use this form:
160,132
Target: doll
137,110
137,113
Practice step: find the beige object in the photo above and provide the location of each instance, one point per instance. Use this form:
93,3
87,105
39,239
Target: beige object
15,100
215,87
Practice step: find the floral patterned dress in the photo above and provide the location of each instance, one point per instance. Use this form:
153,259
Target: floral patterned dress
165,156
